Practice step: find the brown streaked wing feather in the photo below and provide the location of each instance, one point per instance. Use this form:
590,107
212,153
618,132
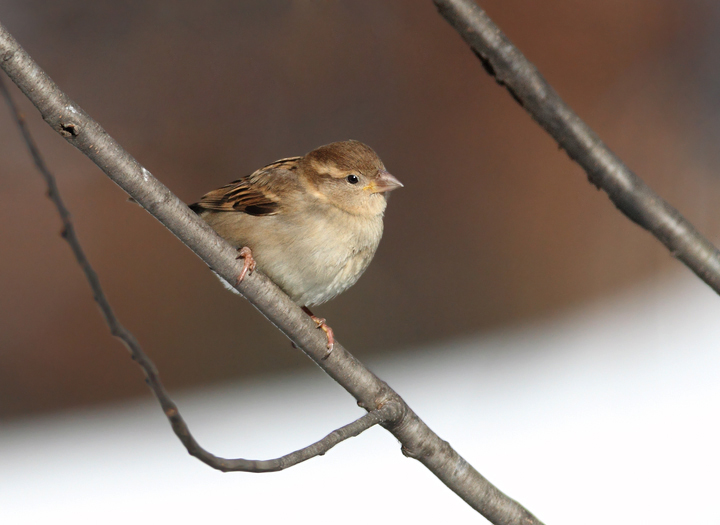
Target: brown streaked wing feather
252,194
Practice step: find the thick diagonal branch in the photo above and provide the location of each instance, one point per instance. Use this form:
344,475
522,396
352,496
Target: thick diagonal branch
605,170
417,439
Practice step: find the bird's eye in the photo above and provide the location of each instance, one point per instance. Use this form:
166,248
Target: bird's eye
353,179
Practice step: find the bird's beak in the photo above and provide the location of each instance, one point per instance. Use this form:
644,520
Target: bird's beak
384,182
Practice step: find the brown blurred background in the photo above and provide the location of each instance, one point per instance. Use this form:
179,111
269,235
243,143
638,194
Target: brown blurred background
495,226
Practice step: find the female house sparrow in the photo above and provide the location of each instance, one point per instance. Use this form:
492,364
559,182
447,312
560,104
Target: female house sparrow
312,224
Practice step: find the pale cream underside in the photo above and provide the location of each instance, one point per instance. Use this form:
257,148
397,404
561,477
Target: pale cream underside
314,255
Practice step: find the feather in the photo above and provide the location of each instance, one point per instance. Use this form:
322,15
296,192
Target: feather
251,194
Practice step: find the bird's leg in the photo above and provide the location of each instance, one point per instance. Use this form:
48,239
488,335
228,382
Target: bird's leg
320,322
249,263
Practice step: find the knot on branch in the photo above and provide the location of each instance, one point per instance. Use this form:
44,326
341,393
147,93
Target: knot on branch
393,408
69,129
425,449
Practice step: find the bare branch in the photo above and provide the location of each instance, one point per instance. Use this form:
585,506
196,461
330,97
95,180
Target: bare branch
417,439
604,169
387,413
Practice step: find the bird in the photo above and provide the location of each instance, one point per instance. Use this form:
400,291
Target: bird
312,224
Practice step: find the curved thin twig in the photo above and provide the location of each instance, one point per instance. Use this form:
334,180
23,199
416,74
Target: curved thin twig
382,415
605,170
417,439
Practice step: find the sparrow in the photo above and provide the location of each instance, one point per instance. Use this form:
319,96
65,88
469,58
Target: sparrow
312,224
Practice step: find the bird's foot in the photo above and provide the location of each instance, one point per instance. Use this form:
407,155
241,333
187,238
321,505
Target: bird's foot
320,322
249,263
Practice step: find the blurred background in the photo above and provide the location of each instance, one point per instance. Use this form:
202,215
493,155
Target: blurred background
495,231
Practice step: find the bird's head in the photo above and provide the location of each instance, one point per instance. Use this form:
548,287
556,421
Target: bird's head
350,176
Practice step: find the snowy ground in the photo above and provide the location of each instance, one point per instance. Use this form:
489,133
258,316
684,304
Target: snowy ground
608,414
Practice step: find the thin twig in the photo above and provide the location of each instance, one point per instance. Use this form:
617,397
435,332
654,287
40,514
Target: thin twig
417,439
152,378
627,191
382,415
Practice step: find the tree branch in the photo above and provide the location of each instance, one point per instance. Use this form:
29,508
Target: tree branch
417,439
385,414
502,60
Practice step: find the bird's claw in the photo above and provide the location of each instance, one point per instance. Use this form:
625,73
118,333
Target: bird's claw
249,263
322,325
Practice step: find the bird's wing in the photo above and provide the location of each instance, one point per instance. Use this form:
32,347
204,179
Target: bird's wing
254,194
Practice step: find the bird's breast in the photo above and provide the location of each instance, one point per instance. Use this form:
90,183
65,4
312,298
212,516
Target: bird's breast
315,259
